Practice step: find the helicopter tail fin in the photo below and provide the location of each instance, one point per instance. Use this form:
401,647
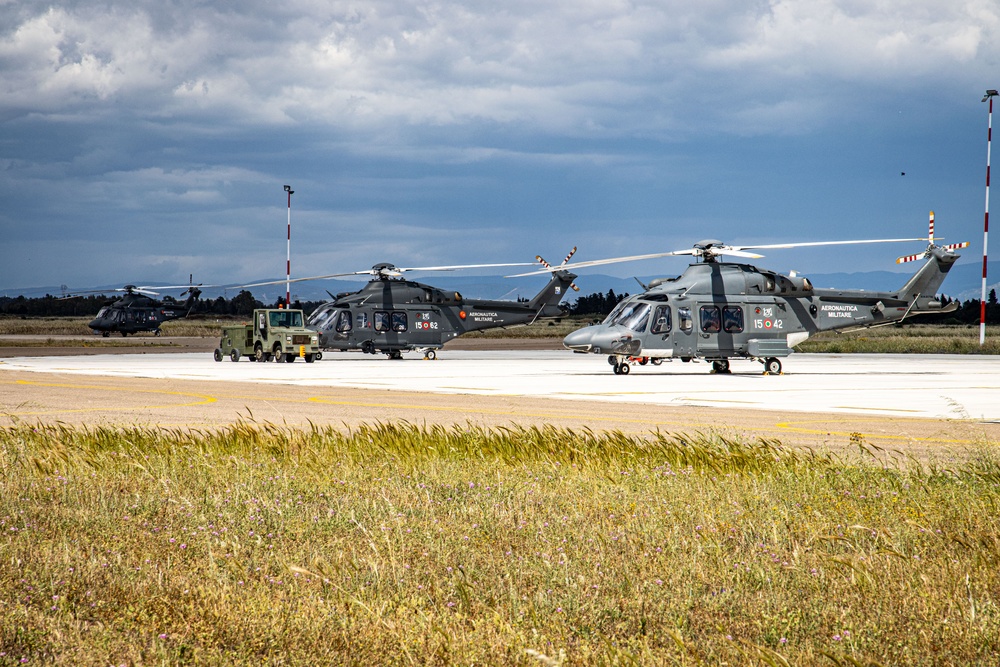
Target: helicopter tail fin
553,292
193,294
926,281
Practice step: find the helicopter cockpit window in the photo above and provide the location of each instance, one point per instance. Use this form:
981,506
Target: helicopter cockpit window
398,320
636,317
381,320
102,312
661,320
710,322
344,321
322,317
684,319
732,319
613,315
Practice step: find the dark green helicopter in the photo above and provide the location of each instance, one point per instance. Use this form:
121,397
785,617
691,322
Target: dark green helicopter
136,311
719,311
392,315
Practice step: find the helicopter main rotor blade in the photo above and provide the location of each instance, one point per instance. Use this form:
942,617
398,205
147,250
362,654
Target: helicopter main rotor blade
820,243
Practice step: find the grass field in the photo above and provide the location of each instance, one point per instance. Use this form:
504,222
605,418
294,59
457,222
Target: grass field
396,544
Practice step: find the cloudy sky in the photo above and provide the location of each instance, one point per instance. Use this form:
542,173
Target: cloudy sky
144,141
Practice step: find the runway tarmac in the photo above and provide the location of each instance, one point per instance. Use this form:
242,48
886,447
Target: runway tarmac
923,404
927,386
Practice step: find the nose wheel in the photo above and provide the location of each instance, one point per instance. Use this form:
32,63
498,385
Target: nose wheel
772,366
622,368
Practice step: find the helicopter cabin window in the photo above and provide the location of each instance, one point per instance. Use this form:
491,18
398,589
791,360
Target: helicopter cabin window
732,319
710,322
661,320
398,321
381,320
344,321
362,320
684,319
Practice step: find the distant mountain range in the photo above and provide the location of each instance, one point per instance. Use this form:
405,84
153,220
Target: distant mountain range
963,283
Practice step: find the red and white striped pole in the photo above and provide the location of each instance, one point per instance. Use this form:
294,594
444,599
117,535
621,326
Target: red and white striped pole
990,94
288,262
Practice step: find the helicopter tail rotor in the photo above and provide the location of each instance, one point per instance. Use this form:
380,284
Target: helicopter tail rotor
931,245
549,267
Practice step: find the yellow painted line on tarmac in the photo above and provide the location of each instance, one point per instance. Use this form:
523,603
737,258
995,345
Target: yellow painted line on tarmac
204,399
790,427
871,409
506,413
786,426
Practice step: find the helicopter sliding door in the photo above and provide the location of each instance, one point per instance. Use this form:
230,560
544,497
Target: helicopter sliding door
718,324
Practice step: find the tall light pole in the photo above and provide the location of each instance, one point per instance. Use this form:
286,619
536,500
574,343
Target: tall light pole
990,94
288,262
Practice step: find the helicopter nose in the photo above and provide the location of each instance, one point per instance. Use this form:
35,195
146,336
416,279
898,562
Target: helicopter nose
579,340
602,340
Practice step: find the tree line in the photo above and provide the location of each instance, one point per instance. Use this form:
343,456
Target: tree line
243,304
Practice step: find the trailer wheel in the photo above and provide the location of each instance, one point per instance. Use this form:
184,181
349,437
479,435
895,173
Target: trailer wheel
217,355
234,355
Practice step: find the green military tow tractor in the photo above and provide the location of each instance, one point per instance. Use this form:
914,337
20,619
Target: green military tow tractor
277,334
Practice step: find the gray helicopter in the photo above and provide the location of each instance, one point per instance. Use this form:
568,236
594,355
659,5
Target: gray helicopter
719,310
392,315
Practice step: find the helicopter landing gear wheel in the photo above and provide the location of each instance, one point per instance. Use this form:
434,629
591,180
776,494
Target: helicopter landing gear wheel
124,334
234,355
656,361
105,334
394,354
430,355
622,368
720,366
157,332
772,366
368,347
217,355
613,360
